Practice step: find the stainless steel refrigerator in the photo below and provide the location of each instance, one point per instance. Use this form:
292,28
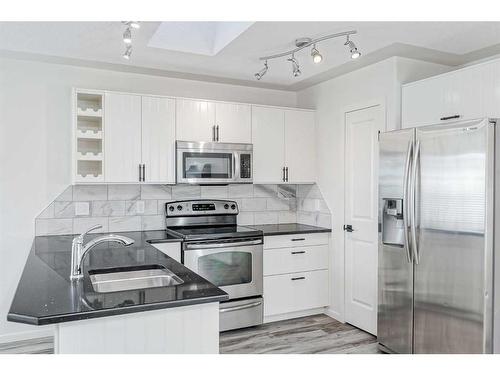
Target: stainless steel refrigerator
437,230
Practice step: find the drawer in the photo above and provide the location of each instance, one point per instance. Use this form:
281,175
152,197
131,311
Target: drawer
292,240
172,249
295,259
295,292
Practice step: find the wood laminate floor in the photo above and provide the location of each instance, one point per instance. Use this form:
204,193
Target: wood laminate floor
308,335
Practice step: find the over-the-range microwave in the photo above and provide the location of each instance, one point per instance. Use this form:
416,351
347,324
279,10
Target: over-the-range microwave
214,163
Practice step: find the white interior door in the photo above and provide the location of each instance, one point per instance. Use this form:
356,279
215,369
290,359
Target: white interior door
122,138
361,190
234,121
158,139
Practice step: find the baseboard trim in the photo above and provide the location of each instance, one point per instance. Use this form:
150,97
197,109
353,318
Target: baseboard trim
26,335
335,315
293,315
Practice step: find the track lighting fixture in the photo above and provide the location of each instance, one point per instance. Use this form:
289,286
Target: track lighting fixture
261,73
316,56
127,36
352,48
128,52
132,24
302,43
295,66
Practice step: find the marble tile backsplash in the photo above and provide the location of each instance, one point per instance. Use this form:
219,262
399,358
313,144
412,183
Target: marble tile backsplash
120,208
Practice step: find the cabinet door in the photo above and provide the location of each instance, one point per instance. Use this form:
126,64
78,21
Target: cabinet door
300,153
234,121
268,134
195,120
122,137
423,103
490,77
158,139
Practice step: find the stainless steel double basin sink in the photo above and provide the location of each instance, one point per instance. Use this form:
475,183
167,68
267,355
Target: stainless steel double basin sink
132,278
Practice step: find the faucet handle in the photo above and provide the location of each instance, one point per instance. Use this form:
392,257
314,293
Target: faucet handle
81,236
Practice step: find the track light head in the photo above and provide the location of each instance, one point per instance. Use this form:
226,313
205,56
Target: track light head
261,73
127,53
316,56
127,36
352,48
135,24
295,66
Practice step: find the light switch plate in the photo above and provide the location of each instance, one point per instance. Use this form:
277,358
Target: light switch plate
140,207
82,209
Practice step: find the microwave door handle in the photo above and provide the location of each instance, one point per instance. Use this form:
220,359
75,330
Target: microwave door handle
236,166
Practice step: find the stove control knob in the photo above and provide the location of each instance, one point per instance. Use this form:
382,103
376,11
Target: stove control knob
170,208
226,206
233,207
179,207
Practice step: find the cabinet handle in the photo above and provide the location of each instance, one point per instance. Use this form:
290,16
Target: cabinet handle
298,252
298,278
283,174
143,172
140,172
449,117
213,133
298,239
217,128
286,174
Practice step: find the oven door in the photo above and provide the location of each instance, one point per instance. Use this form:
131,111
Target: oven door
234,265
198,166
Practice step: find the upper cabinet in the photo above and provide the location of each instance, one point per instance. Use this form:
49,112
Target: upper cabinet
284,145
201,120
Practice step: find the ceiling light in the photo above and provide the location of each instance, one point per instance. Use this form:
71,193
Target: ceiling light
352,48
261,73
295,66
135,24
316,55
127,53
127,36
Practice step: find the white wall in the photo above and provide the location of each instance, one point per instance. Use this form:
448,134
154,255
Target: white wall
35,148
379,82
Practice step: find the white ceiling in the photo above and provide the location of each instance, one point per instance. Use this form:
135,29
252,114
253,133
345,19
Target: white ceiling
452,43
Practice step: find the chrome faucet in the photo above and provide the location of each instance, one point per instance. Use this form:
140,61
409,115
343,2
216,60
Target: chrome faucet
78,250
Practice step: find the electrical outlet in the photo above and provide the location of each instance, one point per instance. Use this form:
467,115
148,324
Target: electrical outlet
140,207
82,209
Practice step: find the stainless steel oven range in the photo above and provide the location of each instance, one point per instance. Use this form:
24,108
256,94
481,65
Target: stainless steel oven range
226,254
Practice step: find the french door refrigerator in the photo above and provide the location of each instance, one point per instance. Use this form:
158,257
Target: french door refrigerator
436,239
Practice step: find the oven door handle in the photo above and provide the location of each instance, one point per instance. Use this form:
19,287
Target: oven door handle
242,307
218,245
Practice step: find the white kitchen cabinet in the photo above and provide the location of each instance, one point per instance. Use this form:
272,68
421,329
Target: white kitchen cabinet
234,122
123,137
300,151
490,89
295,259
195,120
268,138
158,139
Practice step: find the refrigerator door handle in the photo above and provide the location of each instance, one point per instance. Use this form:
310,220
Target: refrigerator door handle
413,198
406,206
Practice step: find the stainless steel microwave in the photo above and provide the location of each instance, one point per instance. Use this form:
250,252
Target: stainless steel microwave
214,163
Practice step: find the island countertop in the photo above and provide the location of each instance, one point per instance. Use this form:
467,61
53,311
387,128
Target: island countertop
45,294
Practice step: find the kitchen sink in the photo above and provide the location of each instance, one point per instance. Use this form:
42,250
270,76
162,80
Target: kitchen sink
131,278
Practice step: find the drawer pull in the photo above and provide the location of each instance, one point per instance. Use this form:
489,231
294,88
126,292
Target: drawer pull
449,117
298,278
298,252
298,239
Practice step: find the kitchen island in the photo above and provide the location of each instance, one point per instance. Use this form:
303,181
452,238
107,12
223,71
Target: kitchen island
180,318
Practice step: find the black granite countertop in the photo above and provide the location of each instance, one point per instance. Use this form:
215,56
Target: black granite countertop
292,228
45,294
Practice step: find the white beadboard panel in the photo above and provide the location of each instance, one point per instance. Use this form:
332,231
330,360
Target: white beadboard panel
66,195
156,192
261,218
186,192
241,191
64,209
285,217
277,204
153,222
124,192
90,192
125,223
253,204
45,227
214,192
245,218
48,212
82,224
108,208
263,191
150,207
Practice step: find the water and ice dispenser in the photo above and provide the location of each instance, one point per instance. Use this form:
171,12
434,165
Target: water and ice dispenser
392,222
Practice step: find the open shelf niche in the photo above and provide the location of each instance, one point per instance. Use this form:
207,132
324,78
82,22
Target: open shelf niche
89,150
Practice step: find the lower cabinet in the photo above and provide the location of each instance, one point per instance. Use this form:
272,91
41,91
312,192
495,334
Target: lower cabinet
296,277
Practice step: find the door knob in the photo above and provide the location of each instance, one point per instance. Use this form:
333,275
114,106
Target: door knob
348,228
